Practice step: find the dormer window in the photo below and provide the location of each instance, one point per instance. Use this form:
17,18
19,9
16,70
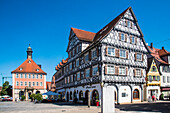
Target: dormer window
29,61
20,68
37,69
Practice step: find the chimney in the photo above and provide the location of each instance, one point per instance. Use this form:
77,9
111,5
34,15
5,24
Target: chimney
162,47
39,65
151,45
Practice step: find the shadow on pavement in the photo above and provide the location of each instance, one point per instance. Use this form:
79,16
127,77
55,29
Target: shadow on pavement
163,107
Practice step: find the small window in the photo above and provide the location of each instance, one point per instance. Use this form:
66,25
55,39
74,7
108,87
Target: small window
37,76
71,78
33,83
86,57
122,53
111,51
133,39
21,76
17,83
40,83
87,73
123,94
136,94
158,78
21,83
29,75
77,62
129,24
29,84
29,61
37,84
78,76
95,70
70,66
20,68
94,53
37,70
168,79
122,71
25,75
122,37
110,69
41,77
138,72
164,79
150,78
139,57
154,69
81,95
25,83
17,76
33,76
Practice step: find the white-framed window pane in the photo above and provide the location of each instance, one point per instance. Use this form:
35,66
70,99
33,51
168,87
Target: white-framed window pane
95,70
87,72
86,57
77,62
17,76
122,37
122,53
33,83
21,83
33,76
25,75
122,71
164,79
139,56
111,51
37,84
78,76
110,69
21,76
29,75
17,83
94,53
29,84
41,76
37,76
133,39
40,83
25,83
70,66
138,72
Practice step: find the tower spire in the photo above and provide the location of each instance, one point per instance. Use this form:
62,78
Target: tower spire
29,52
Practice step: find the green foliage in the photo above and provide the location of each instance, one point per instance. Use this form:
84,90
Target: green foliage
32,96
162,96
38,97
6,89
22,97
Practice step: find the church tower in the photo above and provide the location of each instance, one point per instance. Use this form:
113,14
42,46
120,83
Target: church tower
29,52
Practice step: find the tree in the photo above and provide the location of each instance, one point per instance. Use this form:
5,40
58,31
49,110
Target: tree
32,97
38,97
6,89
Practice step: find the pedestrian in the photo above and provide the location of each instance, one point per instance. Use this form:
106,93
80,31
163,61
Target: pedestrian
153,98
149,99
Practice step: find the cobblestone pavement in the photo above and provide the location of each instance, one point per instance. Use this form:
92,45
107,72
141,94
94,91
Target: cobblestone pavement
29,107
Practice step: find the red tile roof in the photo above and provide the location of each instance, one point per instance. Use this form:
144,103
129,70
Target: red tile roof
84,35
61,63
157,53
29,66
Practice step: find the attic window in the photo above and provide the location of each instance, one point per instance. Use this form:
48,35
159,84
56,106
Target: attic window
37,69
20,68
29,61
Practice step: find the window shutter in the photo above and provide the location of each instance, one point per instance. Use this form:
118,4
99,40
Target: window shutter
116,70
141,72
119,36
126,70
90,55
106,69
106,50
130,39
126,22
125,37
135,56
127,54
135,40
91,70
131,24
134,72
117,52
142,57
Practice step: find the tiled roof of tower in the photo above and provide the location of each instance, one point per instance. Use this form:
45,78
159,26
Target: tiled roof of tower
84,35
155,53
29,66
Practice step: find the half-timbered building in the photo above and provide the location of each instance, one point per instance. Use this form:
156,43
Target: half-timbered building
115,56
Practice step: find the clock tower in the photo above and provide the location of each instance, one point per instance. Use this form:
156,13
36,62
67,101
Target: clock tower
29,52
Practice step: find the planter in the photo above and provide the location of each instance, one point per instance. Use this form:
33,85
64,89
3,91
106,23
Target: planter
97,103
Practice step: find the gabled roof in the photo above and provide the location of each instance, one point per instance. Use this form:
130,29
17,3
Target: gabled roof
61,63
29,66
156,54
163,52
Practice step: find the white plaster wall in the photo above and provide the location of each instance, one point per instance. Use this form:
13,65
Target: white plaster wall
152,88
124,89
166,74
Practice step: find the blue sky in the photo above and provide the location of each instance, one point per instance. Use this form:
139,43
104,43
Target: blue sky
46,26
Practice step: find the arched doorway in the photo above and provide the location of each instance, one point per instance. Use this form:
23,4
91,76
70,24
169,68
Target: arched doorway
86,97
67,96
71,95
21,93
37,92
115,95
95,97
136,94
29,94
81,95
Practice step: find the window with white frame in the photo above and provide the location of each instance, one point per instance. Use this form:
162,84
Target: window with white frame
86,57
122,71
33,83
138,72
41,83
87,73
139,56
29,84
37,76
17,83
33,76
21,76
25,75
110,69
68,79
78,76
41,76
17,76
37,84
29,75
133,39
21,83
71,78
122,53
129,24
122,36
111,51
70,66
94,53
95,70
25,83
77,62
168,79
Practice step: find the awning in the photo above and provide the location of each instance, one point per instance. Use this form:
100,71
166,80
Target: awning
165,89
50,93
